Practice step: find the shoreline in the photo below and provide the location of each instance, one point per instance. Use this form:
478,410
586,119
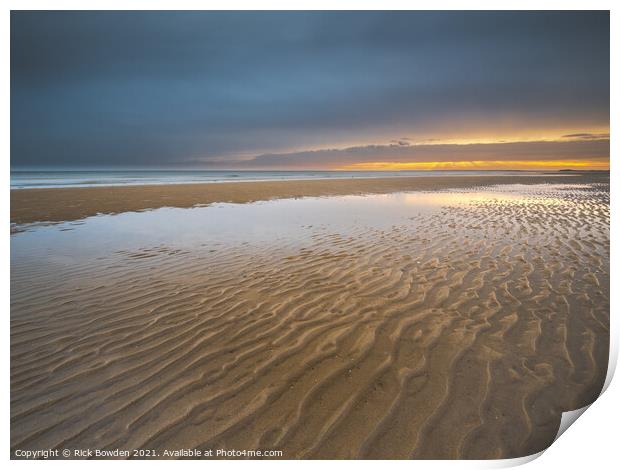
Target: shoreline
66,204
290,176
267,180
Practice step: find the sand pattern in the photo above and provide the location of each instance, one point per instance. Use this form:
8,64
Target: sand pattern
462,334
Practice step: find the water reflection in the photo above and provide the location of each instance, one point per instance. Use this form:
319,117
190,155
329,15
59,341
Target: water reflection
254,223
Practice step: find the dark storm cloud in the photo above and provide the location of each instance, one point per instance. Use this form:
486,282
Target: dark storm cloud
164,88
512,151
586,136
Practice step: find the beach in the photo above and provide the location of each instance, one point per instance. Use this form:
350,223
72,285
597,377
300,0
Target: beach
433,317
60,204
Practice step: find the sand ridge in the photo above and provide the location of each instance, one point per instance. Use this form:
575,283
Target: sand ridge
463,334
63,204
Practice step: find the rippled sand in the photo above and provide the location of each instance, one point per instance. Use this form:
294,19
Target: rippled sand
461,332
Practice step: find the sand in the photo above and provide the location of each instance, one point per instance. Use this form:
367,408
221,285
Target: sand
61,204
464,335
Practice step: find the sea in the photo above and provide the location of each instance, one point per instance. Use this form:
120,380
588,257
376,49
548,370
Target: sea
25,179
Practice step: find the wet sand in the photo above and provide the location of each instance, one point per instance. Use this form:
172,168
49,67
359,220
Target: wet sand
461,333
60,204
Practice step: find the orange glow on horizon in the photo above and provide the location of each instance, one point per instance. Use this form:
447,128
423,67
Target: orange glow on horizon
597,164
457,138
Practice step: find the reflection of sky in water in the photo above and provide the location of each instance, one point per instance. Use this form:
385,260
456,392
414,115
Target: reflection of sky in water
233,224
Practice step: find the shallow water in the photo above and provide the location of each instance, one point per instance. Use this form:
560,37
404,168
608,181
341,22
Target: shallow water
222,224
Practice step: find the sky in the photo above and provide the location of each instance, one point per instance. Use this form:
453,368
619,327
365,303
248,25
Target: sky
310,90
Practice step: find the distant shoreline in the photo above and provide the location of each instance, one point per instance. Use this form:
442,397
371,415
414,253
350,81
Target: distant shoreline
49,179
64,204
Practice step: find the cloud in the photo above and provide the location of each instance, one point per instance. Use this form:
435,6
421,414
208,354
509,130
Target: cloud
512,151
587,136
107,88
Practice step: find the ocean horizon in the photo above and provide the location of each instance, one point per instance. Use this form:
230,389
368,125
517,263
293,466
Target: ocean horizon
27,179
